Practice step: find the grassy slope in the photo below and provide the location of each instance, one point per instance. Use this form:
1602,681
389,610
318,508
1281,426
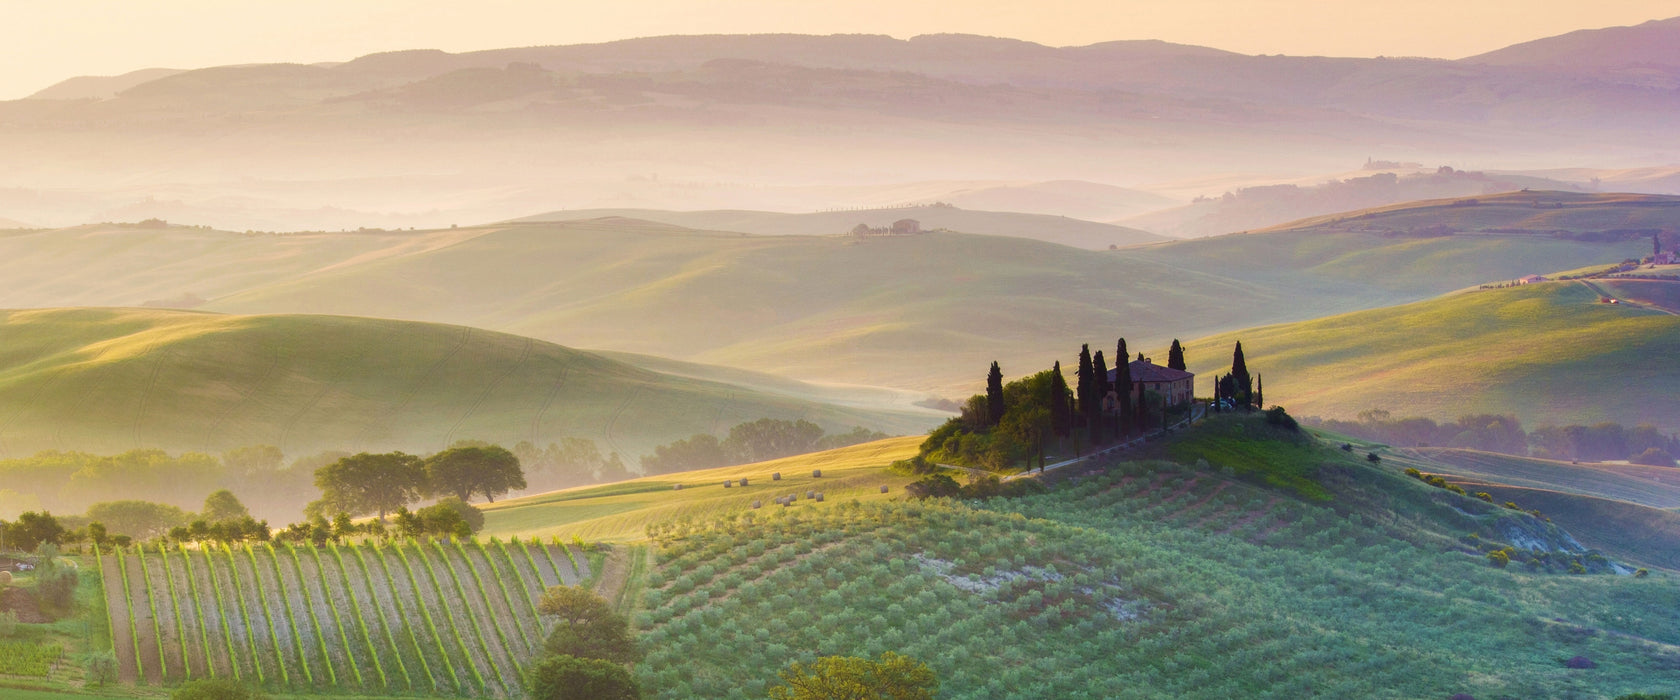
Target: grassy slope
1663,295
1041,227
622,511
1639,535
917,312
1232,585
1546,352
106,380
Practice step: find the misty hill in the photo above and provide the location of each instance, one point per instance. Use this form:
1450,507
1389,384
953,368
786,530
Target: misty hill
906,311
1653,44
1265,206
1570,214
1053,229
107,380
1548,353
591,126
100,87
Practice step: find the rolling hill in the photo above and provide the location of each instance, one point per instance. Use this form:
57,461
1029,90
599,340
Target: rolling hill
911,312
918,312
1548,353
1545,212
1653,43
1075,233
107,380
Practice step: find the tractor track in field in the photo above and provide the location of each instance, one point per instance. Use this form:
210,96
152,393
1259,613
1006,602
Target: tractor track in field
490,388
146,396
607,432
553,393
246,396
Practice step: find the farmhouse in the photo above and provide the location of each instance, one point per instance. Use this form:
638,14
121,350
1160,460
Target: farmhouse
1175,385
1531,279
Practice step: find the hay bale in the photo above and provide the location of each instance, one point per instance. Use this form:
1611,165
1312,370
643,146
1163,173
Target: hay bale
883,488
775,476
757,505
816,473
5,579
676,487
728,483
819,497
810,495
786,503
743,482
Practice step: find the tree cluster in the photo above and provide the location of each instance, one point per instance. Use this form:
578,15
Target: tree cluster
755,441
570,462
1034,409
379,484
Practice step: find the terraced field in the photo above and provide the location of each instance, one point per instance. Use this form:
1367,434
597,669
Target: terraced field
433,617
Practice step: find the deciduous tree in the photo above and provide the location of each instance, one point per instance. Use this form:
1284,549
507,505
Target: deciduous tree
463,471
562,677
371,483
586,626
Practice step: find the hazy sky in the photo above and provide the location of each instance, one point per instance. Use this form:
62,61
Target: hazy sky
44,42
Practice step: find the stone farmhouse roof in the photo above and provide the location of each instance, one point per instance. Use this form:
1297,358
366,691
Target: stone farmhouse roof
1146,371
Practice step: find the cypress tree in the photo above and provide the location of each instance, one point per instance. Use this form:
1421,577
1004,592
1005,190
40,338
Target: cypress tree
1086,381
1099,369
1260,391
1175,356
1061,415
1242,387
1123,388
994,394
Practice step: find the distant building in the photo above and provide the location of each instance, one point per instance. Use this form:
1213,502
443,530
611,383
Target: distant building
1531,279
1176,386
905,227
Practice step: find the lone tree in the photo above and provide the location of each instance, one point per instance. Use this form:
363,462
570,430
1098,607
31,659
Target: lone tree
994,395
891,677
223,505
587,627
1099,369
1260,391
463,471
1175,356
371,483
1242,387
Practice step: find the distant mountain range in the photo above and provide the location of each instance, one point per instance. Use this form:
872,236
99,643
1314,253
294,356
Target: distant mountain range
429,138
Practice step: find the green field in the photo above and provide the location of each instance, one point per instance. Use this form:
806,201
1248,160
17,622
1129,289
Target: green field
1153,580
1548,353
108,380
623,511
423,617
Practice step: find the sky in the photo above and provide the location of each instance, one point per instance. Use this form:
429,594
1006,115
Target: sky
42,43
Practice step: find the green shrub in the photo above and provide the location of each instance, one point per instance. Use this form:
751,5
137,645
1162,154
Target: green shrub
1642,573
1498,558
1372,457
1483,495
562,677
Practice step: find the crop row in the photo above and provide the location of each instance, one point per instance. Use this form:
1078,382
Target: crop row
451,618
